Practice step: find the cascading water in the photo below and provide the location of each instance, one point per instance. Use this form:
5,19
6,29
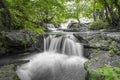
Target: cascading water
63,44
61,60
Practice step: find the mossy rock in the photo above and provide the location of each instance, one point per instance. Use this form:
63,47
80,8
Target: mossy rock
8,72
103,66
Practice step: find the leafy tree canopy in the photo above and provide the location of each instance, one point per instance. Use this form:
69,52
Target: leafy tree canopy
21,14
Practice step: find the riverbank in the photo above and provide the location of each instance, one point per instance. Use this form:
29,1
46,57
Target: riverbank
101,48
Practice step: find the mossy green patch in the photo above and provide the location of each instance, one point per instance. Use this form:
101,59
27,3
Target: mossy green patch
105,73
8,72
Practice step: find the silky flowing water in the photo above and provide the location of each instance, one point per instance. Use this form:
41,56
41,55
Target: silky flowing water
62,59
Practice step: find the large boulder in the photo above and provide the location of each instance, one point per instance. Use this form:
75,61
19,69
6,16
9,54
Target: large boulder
102,49
20,42
100,62
73,25
76,27
50,27
17,42
100,41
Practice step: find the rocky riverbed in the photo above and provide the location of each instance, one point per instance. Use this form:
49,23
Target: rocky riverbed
101,48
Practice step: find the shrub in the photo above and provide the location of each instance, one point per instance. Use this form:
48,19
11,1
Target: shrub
98,25
106,73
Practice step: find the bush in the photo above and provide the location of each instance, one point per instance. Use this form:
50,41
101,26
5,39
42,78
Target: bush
98,25
106,73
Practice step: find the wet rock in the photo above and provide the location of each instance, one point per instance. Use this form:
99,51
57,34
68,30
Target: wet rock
97,49
72,25
39,45
112,35
80,38
8,72
17,42
57,25
2,50
20,42
50,27
100,40
99,60
71,30
83,29
115,61
75,27
99,43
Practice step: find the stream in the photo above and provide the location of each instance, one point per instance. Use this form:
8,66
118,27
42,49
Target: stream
62,59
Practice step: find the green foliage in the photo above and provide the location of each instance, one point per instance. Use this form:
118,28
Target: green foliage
76,25
98,25
111,8
106,73
97,50
79,8
50,11
39,30
113,49
25,42
8,72
28,13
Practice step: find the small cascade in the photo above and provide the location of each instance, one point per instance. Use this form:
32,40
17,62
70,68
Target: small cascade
66,44
61,60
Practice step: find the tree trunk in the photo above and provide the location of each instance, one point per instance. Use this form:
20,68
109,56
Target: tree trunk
118,7
79,22
112,14
107,17
94,11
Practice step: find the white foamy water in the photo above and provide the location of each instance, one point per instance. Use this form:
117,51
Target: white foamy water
63,44
62,60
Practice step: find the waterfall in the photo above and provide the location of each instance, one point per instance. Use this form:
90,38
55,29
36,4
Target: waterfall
62,60
63,44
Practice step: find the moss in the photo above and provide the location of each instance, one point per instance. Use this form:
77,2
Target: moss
97,51
113,49
7,72
77,25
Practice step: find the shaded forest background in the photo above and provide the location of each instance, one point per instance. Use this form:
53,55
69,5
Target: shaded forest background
29,14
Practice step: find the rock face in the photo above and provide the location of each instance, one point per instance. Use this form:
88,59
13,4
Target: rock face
100,40
50,27
102,61
8,73
19,42
98,60
103,51
75,27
